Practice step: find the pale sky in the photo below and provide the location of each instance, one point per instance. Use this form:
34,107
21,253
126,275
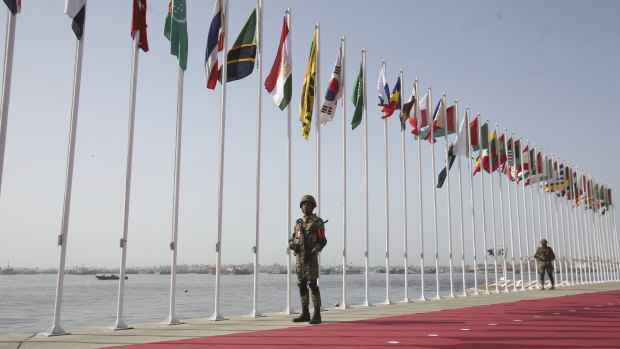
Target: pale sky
545,70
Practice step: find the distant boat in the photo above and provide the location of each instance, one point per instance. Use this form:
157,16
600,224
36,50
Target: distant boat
7,271
108,277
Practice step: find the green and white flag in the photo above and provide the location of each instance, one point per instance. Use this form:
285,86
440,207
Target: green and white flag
175,30
358,98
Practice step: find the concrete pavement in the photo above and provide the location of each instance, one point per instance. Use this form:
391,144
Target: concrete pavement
100,337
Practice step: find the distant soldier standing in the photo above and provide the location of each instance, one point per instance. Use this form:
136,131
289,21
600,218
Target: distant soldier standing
545,256
307,241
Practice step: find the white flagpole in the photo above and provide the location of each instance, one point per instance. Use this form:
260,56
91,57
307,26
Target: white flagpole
614,237
557,235
259,69
542,193
387,215
220,194
582,233
461,196
562,231
289,222
538,212
120,324
570,215
586,232
317,91
514,155
6,84
615,232
432,130
344,177
501,207
56,329
566,233
608,237
471,197
172,320
604,242
495,145
578,234
556,230
419,121
596,240
445,135
484,221
367,302
512,239
402,134
526,221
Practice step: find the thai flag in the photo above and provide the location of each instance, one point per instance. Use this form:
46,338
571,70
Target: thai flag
215,43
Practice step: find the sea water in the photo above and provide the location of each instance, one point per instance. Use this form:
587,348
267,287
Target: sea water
27,301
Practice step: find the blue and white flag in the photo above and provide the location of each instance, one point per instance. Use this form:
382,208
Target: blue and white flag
382,88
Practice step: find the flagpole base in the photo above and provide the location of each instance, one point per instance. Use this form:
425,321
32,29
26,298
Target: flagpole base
387,301
171,321
55,330
217,317
422,298
288,311
344,306
406,300
255,314
120,325
366,304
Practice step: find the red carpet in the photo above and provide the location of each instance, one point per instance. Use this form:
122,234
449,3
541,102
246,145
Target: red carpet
590,320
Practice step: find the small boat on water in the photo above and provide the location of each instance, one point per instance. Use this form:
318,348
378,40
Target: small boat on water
108,277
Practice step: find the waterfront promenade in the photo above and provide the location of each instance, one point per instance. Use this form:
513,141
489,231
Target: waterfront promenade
570,316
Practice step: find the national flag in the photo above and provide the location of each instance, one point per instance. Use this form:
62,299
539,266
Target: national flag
242,55
15,6
334,92
407,107
175,30
394,101
422,131
76,9
489,156
138,22
279,81
479,140
423,122
442,122
215,44
383,90
357,97
460,146
306,103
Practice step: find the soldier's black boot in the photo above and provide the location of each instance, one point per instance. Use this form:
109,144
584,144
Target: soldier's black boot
316,317
304,316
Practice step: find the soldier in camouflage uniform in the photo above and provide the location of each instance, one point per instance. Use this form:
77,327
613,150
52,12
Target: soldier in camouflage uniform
311,229
545,256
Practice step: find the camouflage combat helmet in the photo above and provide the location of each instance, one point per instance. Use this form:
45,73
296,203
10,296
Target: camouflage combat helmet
309,198
543,242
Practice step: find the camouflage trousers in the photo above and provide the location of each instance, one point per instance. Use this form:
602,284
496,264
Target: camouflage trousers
308,277
548,268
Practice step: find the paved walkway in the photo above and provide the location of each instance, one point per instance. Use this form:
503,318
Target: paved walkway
155,332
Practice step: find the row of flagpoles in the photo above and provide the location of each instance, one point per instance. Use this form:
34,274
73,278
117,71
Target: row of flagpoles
599,249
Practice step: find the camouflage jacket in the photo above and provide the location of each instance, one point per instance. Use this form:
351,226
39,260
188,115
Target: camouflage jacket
545,254
314,231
